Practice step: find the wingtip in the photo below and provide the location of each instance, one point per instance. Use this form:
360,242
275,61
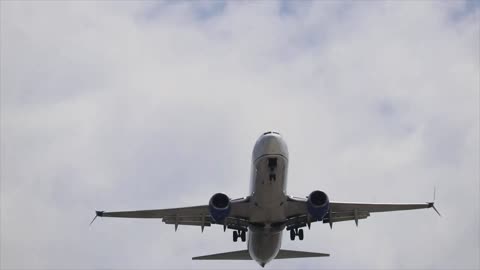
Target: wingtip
434,208
97,214
432,205
91,222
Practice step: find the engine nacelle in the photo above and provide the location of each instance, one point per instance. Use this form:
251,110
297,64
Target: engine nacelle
219,207
318,204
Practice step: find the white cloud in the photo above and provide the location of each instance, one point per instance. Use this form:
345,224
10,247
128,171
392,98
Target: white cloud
148,105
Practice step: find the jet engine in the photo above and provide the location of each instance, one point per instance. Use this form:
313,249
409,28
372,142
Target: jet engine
219,207
318,204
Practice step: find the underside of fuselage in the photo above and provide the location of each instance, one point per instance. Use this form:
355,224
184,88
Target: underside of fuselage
268,197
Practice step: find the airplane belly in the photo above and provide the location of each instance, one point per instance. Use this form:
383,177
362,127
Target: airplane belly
263,245
268,194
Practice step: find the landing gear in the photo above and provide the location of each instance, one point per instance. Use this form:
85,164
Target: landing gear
272,165
295,232
235,236
241,234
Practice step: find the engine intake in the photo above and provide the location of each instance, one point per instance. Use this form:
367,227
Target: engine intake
219,207
318,204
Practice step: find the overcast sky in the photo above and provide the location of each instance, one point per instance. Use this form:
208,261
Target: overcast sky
141,105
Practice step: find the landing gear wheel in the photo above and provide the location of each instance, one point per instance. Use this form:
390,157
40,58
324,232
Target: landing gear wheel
292,234
243,236
235,236
300,234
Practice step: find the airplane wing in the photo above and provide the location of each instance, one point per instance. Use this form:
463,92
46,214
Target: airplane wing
194,215
297,213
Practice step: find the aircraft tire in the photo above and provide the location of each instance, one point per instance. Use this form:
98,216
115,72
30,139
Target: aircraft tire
300,234
235,236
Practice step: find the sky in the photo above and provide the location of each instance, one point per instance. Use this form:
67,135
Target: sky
147,105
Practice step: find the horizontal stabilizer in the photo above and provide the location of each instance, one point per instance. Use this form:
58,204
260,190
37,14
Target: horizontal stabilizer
233,255
244,255
289,254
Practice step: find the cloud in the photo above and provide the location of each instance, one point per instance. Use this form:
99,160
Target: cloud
144,105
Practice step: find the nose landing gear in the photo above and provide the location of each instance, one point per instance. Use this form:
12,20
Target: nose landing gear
295,232
272,165
241,234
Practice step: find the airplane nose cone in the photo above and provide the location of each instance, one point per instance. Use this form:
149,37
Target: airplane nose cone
270,144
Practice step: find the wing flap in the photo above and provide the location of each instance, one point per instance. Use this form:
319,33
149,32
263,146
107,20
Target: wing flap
345,216
188,220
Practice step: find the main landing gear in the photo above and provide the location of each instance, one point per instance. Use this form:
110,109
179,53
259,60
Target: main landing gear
295,232
241,234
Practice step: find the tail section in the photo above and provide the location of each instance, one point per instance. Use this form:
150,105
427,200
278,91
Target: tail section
290,254
233,255
244,255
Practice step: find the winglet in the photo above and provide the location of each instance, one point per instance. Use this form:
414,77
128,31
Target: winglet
434,208
97,214
432,204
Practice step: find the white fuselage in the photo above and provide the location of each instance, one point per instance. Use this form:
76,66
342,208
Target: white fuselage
268,197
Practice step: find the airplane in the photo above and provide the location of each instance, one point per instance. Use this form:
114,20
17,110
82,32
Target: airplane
268,210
